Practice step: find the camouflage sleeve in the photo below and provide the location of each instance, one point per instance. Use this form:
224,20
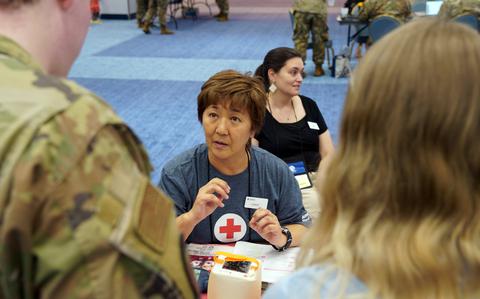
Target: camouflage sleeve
369,11
100,231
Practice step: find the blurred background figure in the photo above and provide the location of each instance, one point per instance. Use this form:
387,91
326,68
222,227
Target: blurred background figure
310,17
399,9
452,8
161,12
224,7
95,9
401,197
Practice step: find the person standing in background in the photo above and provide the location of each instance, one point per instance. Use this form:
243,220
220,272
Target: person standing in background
453,8
224,7
79,217
95,9
161,11
310,17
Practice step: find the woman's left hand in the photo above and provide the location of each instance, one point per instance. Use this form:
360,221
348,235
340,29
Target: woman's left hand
266,224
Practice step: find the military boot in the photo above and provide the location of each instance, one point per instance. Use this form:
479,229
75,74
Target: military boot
164,30
222,17
319,71
146,27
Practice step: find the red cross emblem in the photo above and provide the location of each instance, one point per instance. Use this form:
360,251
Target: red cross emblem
230,228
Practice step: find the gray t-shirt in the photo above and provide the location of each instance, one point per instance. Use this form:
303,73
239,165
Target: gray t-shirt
266,177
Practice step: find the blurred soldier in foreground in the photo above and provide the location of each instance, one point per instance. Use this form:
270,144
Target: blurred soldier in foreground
79,217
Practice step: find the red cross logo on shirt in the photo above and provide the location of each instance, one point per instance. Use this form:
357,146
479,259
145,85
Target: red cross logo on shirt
230,229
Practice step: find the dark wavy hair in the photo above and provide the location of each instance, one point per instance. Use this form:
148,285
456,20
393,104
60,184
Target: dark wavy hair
275,60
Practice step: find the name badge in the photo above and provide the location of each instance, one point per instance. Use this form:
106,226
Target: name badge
256,202
312,125
301,175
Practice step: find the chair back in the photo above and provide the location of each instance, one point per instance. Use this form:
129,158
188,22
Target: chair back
469,20
381,26
419,6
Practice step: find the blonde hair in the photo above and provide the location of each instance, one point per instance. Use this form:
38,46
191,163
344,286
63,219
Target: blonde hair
401,197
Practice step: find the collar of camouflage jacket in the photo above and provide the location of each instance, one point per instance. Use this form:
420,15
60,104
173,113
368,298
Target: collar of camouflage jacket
9,48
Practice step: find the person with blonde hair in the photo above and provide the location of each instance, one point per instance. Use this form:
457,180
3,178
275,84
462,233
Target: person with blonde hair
401,197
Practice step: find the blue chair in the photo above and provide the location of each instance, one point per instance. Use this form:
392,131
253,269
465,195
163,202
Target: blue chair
381,26
419,6
469,20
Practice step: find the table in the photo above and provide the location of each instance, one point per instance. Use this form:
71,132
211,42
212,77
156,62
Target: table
352,20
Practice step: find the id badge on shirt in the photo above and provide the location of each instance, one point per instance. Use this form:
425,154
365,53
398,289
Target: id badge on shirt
301,174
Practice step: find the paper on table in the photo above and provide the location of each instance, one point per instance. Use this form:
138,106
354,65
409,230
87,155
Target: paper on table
207,249
275,264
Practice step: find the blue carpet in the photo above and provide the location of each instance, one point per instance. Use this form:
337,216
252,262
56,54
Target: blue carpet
238,38
152,81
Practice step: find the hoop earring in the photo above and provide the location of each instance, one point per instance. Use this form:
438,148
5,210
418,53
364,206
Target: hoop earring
272,88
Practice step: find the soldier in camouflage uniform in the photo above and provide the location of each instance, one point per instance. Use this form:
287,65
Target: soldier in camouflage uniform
400,9
453,8
79,217
311,16
160,8
224,7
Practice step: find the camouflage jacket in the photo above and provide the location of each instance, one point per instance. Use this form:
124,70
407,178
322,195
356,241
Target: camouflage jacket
452,8
79,217
400,9
312,6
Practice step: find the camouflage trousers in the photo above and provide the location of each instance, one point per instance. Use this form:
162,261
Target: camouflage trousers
161,9
142,7
316,24
223,6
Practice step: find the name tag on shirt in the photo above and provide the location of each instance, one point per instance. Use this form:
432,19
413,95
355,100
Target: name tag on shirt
256,202
312,125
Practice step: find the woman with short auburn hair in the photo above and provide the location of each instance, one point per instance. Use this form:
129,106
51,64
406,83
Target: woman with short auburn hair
401,196
225,190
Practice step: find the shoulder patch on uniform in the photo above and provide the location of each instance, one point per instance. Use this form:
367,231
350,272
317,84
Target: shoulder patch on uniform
152,213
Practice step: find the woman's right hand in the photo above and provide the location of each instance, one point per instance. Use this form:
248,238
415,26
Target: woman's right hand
209,198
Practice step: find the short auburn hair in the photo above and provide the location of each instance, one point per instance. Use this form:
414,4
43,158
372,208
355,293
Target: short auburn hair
239,90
